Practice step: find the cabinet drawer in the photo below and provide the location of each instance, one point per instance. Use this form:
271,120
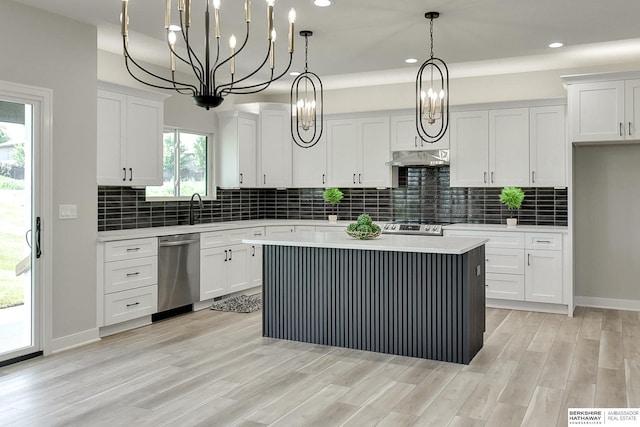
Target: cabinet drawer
279,229
548,241
502,240
130,249
235,237
305,229
330,228
504,286
212,239
256,232
131,304
505,261
130,274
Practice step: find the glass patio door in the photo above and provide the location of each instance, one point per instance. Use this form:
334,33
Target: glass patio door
19,232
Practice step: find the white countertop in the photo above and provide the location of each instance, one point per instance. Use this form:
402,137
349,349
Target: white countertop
386,242
503,227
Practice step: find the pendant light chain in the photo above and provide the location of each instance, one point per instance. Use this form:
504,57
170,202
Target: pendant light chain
431,35
306,53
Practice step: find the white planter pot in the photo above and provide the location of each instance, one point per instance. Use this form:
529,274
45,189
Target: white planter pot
333,219
512,222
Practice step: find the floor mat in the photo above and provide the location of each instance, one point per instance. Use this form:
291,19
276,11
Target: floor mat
239,304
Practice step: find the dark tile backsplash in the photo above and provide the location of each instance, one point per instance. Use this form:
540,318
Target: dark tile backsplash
423,194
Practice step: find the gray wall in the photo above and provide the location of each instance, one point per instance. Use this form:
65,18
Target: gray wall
607,208
45,50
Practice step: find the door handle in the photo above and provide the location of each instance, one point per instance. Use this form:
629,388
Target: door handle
241,178
130,174
354,178
492,177
137,273
359,178
528,259
485,178
38,248
264,178
533,176
124,174
253,248
230,254
621,129
226,255
415,141
629,128
323,179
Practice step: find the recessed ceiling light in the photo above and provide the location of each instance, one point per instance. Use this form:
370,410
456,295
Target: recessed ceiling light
555,45
322,3
411,60
294,73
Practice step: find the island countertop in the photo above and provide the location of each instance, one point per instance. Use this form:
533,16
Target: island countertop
385,242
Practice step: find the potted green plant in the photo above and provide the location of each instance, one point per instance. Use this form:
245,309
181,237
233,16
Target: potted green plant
512,198
333,196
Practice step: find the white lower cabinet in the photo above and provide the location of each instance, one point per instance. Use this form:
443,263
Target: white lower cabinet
521,266
128,276
226,264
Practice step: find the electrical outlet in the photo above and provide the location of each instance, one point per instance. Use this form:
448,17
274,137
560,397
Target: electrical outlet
67,212
478,270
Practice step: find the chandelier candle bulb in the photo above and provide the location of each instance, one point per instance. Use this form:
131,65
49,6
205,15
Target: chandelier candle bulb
270,4
167,15
172,45
292,20
124,18
180,5
232,50
272,57
247,11
187,13
216,16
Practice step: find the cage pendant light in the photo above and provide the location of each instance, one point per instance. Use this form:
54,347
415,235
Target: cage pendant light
307,103
432,94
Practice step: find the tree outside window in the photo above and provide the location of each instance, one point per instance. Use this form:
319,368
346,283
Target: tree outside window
185,160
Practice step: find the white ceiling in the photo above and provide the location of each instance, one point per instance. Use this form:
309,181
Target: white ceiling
358,41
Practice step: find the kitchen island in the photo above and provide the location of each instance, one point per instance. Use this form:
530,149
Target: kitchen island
407,295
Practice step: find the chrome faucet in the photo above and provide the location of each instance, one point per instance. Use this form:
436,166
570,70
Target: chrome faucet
192,215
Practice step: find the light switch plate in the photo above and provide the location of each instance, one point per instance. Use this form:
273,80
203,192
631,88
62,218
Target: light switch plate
478,270
68,212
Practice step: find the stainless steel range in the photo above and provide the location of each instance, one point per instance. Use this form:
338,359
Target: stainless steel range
412,228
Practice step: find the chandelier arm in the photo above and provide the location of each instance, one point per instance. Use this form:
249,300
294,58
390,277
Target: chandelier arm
247,90
192,89
225,85
127,58
199,72
215,70
265,84
198,75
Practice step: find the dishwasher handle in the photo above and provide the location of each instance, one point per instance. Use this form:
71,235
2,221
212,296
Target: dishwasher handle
178,243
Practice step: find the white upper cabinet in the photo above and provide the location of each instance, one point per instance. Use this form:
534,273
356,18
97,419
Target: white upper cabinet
547,146
404,136
632,108
357,152
469,154
310,165
237,144
275,146
597,111
129,139
509,147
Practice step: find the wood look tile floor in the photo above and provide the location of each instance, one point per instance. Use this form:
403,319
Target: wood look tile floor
215,369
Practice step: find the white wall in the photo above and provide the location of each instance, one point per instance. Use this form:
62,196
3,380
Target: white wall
49,51
607,208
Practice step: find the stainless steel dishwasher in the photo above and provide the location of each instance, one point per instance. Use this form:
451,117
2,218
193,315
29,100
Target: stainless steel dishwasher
178,271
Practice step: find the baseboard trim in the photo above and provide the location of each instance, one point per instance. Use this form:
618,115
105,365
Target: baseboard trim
609,303
528,306
79,339
125,326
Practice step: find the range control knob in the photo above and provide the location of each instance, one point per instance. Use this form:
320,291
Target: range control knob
393,227
386,226
426,227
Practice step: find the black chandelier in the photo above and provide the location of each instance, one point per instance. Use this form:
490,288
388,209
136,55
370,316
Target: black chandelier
432,105
306,100
208,92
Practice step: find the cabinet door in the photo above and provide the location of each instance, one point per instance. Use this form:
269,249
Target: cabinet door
247,167
238,268
111,137
547,147
374,153
597,111
213,272
275,149
509,147
469,155
403,133
342,149
632,109
543,276
256,265
144,141
310,165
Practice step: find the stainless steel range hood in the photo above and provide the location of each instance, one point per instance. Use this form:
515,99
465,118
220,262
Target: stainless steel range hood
433,158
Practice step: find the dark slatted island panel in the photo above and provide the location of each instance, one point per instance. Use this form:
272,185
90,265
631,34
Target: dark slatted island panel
413,304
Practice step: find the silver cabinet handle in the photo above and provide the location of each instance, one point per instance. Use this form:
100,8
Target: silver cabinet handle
492,177
354,178
485,178
133,249
543,241
621,129
533,176
133,305
124,174
359,178
133,274
241,178
130,174
226,255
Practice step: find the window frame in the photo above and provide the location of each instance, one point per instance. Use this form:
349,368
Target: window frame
211,184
